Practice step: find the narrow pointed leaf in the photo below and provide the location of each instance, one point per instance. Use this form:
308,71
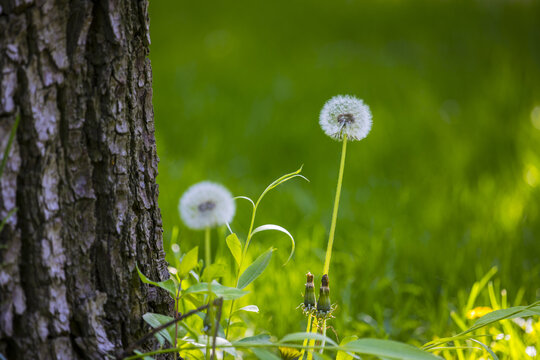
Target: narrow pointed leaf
341,355
255,269
277,228
301,336
235,247
213,271
263,354
227,293
388,348
504,314
245,198
156,320
189,261
261,339
249,308
166,285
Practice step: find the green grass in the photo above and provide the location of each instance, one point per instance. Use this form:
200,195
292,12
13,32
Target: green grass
435,196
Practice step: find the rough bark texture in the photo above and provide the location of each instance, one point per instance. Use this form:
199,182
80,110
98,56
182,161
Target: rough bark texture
81,174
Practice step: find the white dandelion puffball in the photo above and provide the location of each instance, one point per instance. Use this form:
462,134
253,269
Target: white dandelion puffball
345,115
206,205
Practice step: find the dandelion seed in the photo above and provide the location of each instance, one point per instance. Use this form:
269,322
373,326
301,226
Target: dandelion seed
206,205
345,115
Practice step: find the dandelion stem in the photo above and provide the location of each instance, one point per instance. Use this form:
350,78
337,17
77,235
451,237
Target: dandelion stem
311,346
324,334
207,249
336,206
304,344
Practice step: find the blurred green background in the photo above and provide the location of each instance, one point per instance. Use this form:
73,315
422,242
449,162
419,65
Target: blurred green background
446,185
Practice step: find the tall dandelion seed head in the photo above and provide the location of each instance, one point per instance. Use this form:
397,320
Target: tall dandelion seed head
206,205
345,115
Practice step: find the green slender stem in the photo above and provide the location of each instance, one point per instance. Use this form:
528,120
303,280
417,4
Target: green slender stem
336,207
208,260
244,252
304,344
207,249
324,334
311,344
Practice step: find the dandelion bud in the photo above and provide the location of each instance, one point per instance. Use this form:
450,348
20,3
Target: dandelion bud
323,305
309,295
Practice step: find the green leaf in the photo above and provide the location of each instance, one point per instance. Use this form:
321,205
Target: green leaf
301,336
261,339
492,317
389,348
277,228
505,314
255,269
135,351
156,320
189,261
245,198
238,324
318,356
168,285
283,179
235,247
227,293
280,181
263,354
342,355
226,345
213,271
495,357
249,308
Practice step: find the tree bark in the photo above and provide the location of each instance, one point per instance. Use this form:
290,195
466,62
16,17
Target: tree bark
81,173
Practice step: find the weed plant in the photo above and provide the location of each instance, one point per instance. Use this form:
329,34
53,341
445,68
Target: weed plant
209,319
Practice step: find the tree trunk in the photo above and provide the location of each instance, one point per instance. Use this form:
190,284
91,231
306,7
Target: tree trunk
81,173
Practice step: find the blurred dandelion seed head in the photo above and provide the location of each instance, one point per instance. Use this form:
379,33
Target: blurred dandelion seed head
531,351
345,115
206,205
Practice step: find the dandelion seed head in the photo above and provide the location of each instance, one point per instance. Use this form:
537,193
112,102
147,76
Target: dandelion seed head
345,115
206,205
531,351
